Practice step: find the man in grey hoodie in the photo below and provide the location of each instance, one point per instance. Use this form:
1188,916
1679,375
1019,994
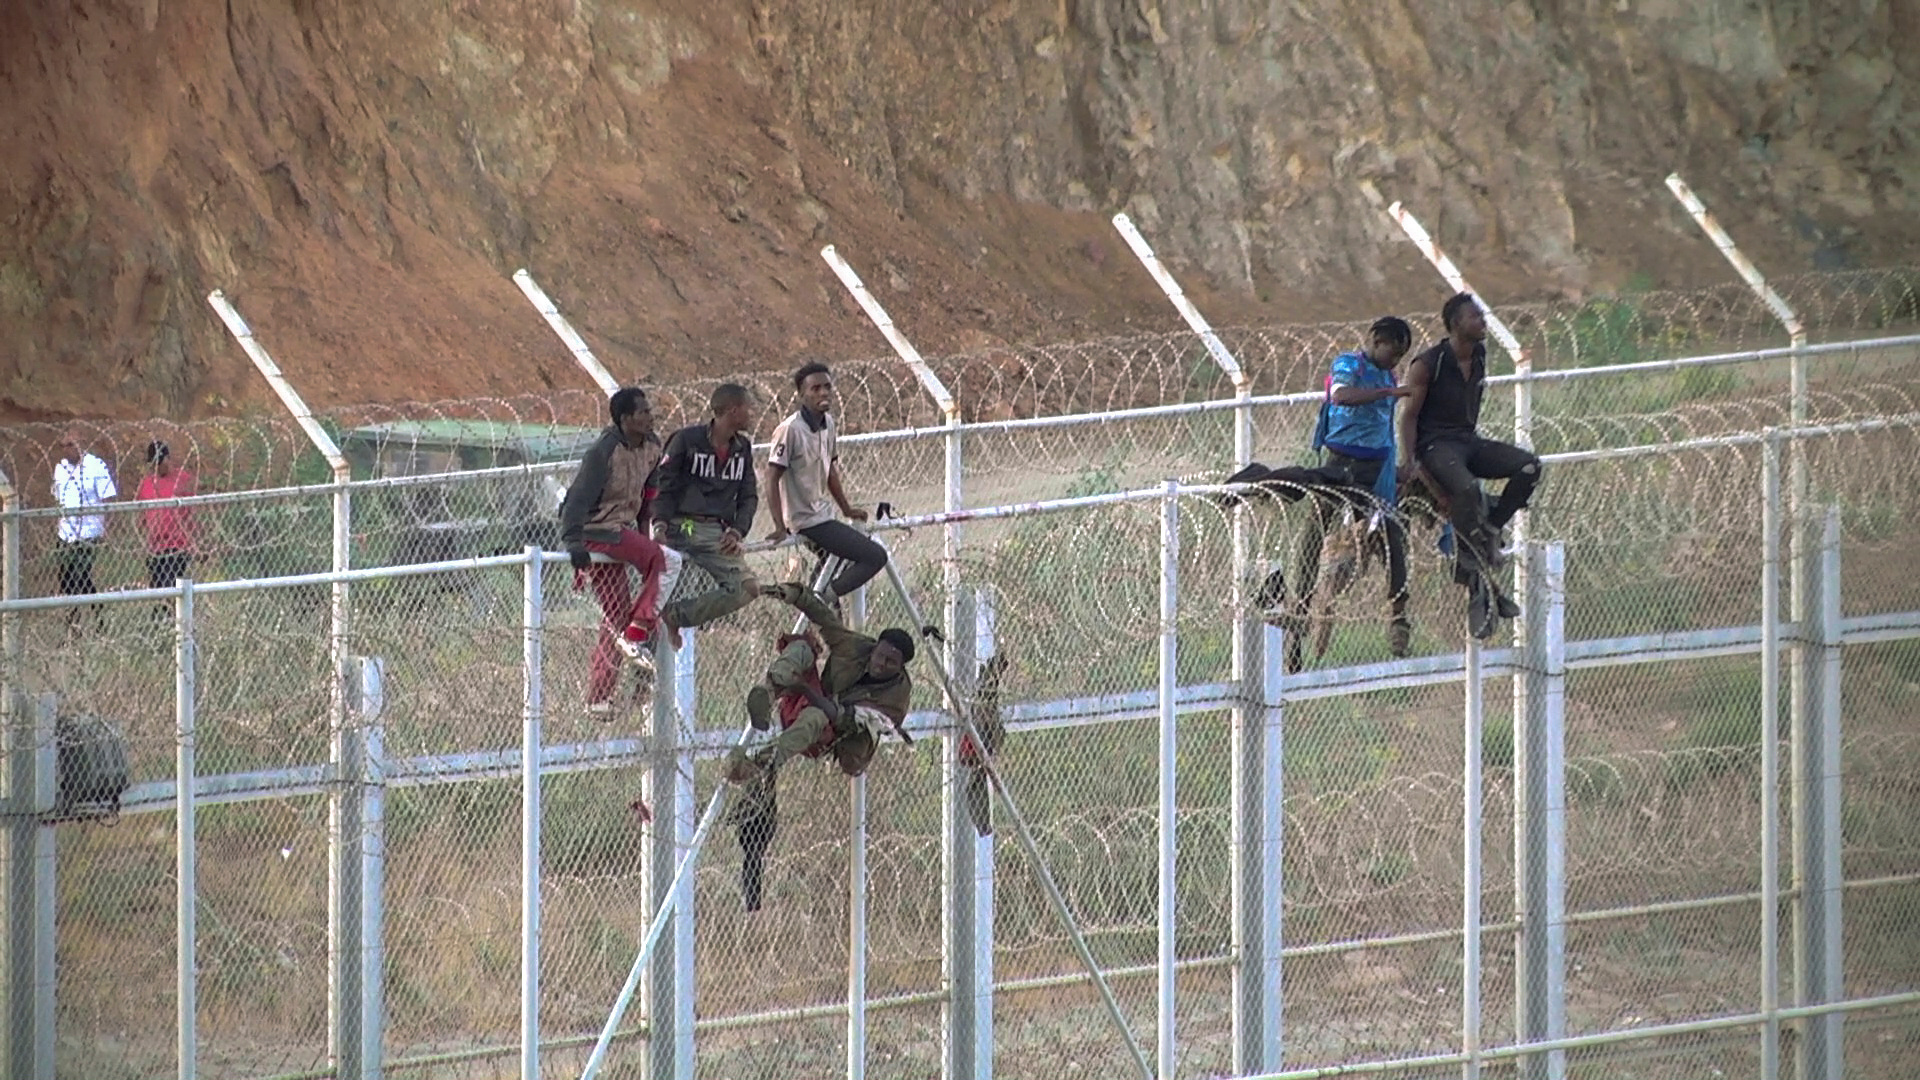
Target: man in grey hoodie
605,511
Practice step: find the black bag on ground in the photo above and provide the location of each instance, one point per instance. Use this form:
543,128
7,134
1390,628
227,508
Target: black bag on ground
92,762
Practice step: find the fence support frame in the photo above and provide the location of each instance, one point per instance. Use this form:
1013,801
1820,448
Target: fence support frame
1540,758
1818,903
967,877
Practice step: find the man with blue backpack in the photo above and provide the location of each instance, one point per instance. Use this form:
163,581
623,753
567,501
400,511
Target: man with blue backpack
1358,476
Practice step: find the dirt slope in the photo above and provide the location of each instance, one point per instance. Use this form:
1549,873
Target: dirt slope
361,179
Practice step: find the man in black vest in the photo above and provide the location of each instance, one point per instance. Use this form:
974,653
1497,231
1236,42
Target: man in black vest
1440,444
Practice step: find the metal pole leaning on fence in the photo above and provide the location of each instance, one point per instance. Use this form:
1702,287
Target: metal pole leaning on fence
964,719
349,985
569,337
682,874
186,982
1248,1057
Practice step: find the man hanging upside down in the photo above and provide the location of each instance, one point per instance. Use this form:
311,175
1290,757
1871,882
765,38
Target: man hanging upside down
838,707
834,708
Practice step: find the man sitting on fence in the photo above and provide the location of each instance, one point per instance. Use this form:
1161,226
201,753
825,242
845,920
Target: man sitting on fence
1441,448
708,496
804,485
1357,482
606,511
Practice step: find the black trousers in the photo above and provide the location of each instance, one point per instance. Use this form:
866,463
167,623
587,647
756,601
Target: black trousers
864,558
1351,481
76,567
1458,464
166,567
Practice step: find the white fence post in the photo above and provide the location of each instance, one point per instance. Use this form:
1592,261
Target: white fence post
1256,1038
366,855
668,784
1816,811
346,952
533,623
968,877
1472,874
27,897
1770,759
1539,743
1169,760
857,891
1259,835
186,983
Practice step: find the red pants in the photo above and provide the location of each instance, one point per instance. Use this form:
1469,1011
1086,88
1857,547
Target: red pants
617,609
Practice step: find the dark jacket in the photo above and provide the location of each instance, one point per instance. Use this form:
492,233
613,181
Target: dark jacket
577,510
694,483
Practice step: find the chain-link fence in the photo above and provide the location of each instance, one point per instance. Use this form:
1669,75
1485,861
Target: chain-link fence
358,887
1655,740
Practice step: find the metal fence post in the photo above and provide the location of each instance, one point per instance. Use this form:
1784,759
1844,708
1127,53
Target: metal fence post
185,880
1258,833
966,877
857,892
1770,758
27,973
1471,876
30,777
345,913
669,986
1169,760
532,713
364,861
1539,743
1816,811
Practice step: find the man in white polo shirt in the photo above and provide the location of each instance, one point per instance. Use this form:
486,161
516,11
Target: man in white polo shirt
804,487
81,482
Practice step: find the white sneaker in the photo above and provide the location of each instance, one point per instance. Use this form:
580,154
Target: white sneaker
600,710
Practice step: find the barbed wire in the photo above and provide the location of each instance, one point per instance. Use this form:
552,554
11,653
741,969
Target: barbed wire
880,394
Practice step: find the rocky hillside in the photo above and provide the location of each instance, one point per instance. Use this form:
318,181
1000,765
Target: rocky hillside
361,178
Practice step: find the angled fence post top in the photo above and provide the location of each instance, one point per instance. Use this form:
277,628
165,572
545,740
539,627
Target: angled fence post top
1444,263
1162,277
1741,264
564,330
942,397
289,397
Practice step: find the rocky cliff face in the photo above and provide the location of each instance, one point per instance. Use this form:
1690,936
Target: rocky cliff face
361,179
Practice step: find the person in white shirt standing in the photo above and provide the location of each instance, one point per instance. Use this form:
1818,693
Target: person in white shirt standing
81,482
804,486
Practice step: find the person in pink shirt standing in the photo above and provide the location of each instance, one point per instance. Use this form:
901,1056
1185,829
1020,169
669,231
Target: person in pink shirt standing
171,530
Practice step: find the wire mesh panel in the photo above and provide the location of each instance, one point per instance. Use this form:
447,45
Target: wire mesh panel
262,922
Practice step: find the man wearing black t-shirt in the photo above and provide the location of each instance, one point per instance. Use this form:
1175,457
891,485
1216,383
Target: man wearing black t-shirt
1440,444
